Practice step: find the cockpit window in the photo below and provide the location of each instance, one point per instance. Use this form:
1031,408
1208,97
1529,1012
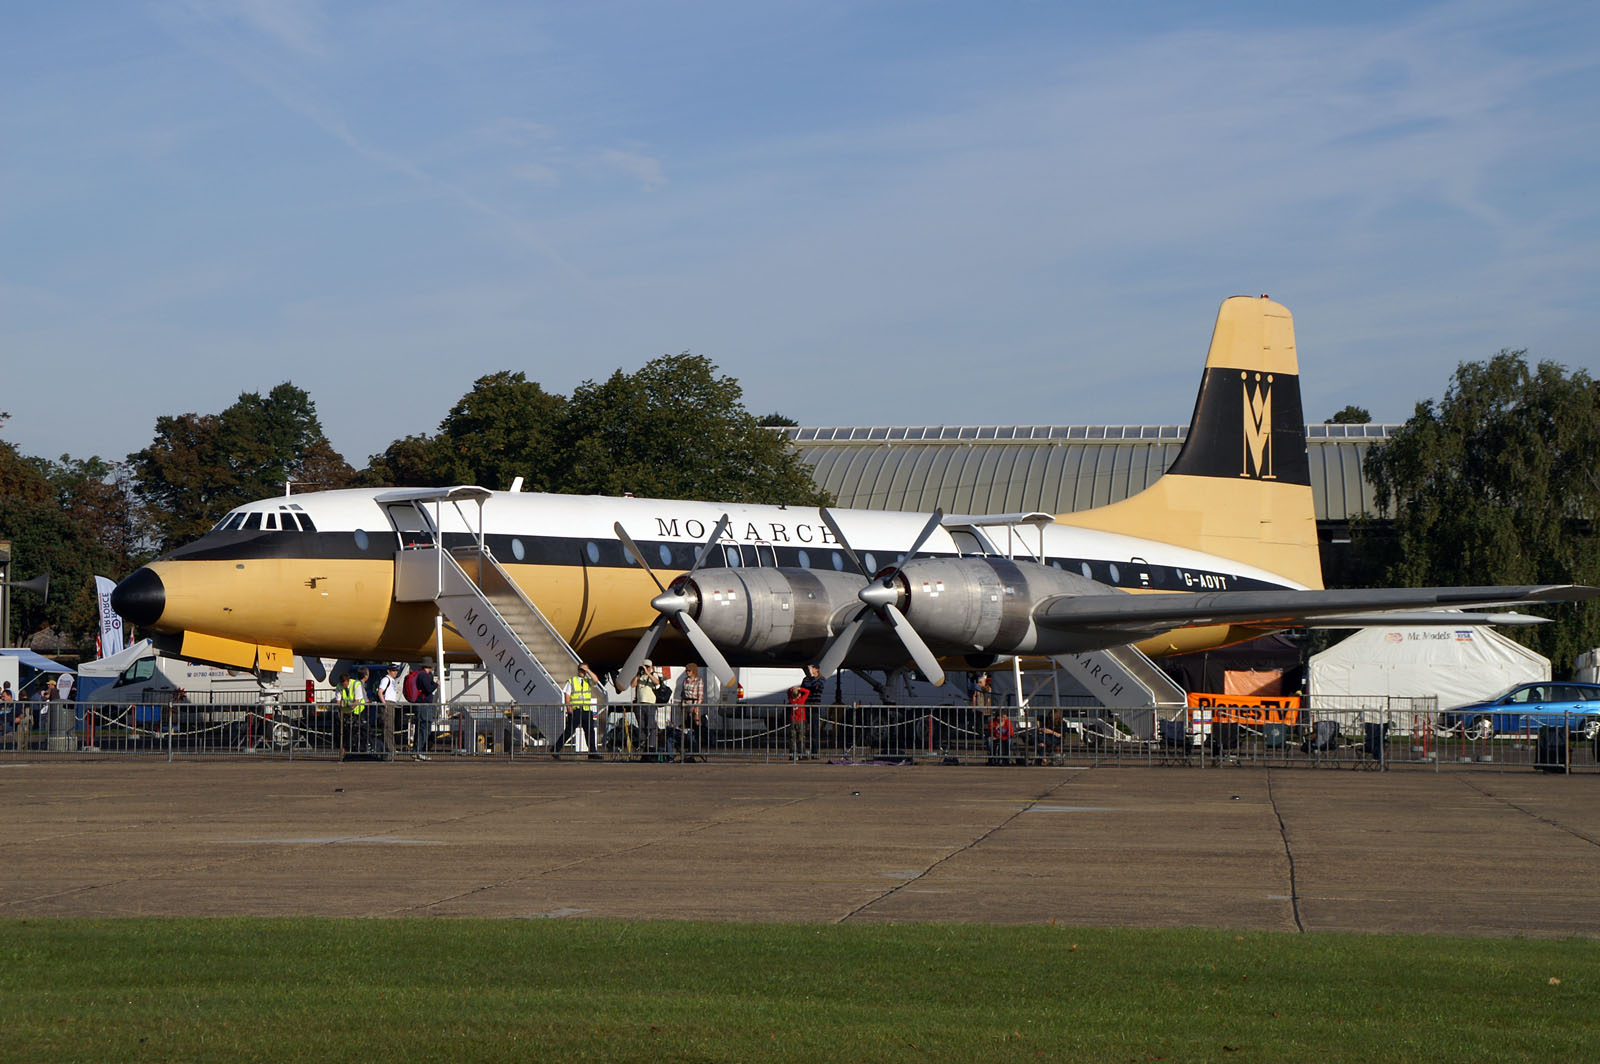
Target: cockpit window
305,523
252,521
270,522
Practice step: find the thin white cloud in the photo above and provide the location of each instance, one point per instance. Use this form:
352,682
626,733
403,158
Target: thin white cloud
645,169
299,26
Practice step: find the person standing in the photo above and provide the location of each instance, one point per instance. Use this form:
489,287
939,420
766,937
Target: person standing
353,708
813,685
580,698
644,710
425,710
692,697
798,694
13,714
983,693
389,695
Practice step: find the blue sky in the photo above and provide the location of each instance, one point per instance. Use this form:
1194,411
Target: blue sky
875,212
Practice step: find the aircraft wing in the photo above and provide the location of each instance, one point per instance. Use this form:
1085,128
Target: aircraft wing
1290,609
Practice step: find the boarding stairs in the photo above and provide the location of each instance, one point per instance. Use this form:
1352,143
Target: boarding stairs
517,644
1125,680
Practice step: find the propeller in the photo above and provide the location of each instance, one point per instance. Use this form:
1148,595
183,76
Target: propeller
879,598
673,605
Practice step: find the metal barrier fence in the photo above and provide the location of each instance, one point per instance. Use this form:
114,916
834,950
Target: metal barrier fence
1385,734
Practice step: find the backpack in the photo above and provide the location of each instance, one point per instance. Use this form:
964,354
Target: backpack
663,693
413,687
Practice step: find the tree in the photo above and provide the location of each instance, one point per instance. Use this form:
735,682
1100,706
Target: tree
1500,484
776,420
676,430
502,429
71,519
1351,415
200,466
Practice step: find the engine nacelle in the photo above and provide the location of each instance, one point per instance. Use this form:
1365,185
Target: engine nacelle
969,605
770,613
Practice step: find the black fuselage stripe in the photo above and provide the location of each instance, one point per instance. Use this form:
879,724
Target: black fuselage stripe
569,551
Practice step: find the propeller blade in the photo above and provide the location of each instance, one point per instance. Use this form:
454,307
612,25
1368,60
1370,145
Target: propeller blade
913,643
839,649
716,664
927,530
705,551
833,526
641,650
638,555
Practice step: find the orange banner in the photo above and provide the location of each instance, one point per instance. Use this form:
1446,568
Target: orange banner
1246,709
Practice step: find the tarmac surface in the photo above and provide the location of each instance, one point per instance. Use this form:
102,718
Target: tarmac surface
1452,853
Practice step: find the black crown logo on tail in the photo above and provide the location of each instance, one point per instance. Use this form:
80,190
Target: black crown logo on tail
1257,410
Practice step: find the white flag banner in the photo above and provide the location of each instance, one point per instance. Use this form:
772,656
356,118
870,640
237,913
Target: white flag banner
111,641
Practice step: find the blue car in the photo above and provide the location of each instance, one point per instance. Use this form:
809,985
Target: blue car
1527,706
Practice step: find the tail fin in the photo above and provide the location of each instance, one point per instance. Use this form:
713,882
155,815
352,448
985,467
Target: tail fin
1241,486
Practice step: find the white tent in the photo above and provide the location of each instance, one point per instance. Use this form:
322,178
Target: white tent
1457,665
114,665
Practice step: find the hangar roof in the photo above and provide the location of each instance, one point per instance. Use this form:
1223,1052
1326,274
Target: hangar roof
1054,468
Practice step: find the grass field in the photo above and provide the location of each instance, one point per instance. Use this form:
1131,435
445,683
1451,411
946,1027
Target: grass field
402,990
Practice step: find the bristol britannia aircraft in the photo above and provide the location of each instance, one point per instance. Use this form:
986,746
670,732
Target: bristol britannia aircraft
1221,548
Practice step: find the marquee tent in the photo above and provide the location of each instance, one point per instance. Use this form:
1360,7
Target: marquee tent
1457,665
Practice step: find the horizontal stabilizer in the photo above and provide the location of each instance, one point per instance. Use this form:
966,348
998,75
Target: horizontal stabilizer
1283,609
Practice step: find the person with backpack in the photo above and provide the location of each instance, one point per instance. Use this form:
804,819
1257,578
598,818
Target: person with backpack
422,691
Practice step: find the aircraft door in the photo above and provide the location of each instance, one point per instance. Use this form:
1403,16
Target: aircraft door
413,526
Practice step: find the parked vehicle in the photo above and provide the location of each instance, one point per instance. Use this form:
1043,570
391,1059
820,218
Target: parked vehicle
1525,707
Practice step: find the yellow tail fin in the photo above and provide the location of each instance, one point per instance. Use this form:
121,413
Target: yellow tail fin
1240,487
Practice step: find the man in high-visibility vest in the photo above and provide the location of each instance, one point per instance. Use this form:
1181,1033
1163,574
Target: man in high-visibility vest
581,697
353,708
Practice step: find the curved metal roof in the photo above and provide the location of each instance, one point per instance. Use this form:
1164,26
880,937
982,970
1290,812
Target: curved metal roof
1054,468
